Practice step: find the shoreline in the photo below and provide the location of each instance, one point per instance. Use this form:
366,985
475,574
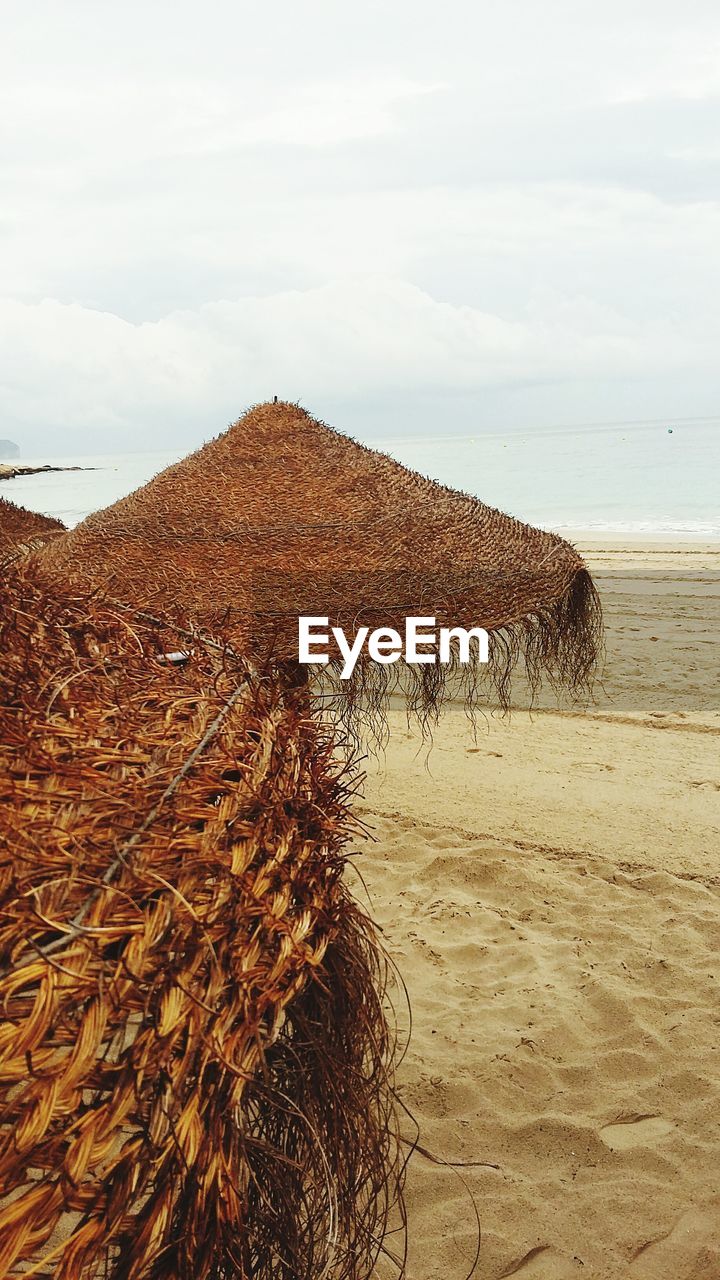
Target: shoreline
592,541
10,470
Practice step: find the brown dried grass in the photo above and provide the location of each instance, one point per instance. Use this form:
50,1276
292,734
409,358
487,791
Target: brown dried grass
21,530
281,516
195,1063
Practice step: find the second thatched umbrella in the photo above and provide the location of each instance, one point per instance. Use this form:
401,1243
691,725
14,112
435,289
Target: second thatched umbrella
282,516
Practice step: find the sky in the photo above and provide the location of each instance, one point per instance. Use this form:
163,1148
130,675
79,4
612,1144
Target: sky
413,218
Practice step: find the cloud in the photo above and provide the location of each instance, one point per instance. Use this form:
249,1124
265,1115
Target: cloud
117,118
72,368
689,75
318,115
198,210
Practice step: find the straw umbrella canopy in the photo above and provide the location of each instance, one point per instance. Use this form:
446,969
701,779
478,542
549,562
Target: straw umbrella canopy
21,529
195,1060
282,517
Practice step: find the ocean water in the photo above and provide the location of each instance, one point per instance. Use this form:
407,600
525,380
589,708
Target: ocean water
635,479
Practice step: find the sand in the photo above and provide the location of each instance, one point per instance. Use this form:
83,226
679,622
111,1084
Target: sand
550,893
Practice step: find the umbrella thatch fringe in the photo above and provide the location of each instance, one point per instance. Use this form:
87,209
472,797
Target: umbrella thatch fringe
563,644
195,1060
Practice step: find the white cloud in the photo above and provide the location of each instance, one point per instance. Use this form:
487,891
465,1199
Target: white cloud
72,367
689,74
452,197
113,118
317,115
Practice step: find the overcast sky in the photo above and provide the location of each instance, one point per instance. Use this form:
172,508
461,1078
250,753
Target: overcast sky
410,216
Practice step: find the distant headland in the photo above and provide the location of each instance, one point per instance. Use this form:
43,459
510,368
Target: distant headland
8,470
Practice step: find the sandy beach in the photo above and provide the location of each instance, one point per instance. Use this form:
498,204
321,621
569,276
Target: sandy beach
550,892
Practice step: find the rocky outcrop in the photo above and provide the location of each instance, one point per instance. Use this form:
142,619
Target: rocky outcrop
8,470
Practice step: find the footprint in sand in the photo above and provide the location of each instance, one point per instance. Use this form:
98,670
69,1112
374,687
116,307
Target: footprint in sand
593,764
690,1247
543,1263
634,1131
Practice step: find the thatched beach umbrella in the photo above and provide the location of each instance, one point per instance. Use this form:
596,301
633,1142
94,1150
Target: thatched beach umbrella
21,530
283,517
194,1055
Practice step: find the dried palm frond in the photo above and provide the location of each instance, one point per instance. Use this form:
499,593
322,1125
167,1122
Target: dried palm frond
195,1063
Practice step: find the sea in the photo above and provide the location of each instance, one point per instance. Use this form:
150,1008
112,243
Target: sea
657,480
